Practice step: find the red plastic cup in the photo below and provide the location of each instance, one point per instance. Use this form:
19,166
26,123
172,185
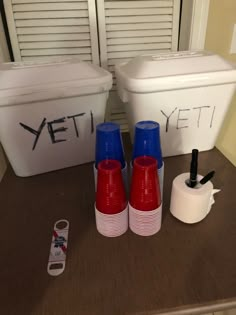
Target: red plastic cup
110,195
145,192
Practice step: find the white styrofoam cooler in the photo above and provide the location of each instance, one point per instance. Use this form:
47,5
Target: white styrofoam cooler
49,112
188,93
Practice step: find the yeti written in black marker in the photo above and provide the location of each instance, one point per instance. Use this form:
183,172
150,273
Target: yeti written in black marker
189,117
56,126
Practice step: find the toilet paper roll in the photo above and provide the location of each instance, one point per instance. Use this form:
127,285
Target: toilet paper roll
191,205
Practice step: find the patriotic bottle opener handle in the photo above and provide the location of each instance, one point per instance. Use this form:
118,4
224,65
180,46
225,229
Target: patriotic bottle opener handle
57,256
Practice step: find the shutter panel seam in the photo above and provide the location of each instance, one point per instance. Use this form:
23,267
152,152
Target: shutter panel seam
12,29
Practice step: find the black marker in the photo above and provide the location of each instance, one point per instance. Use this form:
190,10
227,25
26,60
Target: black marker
206,178
193,169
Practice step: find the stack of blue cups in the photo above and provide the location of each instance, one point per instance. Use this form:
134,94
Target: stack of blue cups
147,143
109,146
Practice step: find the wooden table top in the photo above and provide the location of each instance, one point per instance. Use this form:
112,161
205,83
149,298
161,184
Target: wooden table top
184,269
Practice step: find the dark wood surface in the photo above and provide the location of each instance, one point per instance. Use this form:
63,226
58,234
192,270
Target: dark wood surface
186,269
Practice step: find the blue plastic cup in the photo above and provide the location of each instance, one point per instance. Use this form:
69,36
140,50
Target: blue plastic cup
147,141
109,143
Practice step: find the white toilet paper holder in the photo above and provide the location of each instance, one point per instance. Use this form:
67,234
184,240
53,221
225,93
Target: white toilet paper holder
191,205
212,199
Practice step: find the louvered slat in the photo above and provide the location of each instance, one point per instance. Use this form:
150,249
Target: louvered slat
119,113
49,28
52,37
84,57
40,1
132,53
137,12
51,22
50,7
131,28
52,30
139,26
141,4
138,19
138,40
50,14
55,44
139,33
118,120
137,47
59,51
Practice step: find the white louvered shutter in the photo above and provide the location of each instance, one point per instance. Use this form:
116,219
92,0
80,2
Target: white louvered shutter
46,29
131,28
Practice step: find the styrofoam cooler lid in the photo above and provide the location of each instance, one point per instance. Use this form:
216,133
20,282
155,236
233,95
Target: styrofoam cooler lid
35,81
174,70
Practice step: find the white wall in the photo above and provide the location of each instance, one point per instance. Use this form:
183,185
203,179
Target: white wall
222,18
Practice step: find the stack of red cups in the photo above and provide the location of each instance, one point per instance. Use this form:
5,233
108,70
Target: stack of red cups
111,208
145,207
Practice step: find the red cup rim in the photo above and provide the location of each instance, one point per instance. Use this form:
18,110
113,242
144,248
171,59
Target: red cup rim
144,162
108,166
